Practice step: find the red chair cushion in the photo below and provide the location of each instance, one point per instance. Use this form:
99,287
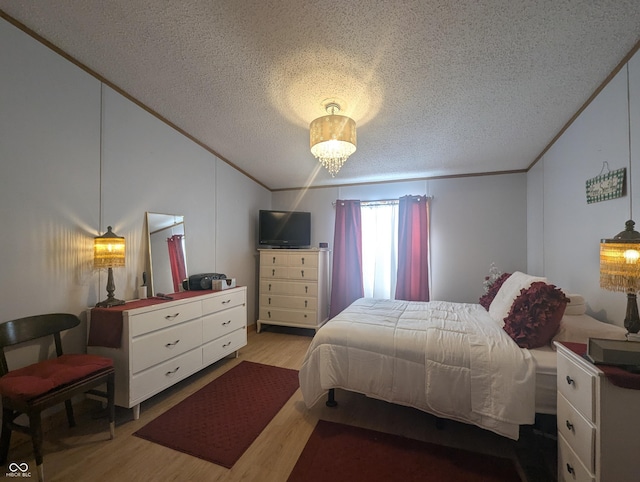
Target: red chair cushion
34,380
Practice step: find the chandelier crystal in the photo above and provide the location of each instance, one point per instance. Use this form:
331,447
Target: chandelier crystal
332,138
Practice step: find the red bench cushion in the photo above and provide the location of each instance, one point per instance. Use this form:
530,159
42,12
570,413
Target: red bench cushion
34,380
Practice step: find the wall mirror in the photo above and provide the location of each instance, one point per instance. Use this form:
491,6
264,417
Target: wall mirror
167,254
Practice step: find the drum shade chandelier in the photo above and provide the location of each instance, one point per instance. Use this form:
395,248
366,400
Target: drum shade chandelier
109,252
620,270
332,138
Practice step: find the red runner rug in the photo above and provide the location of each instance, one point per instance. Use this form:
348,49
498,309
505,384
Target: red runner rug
221,420
337,452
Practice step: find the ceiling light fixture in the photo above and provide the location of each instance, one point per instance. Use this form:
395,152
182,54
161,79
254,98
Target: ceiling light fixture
332,138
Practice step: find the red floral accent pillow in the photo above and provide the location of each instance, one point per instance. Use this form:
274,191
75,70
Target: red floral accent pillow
535,315
487,298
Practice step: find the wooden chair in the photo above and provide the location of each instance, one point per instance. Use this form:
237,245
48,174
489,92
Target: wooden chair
32,389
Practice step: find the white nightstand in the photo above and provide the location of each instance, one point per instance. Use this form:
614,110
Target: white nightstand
598,423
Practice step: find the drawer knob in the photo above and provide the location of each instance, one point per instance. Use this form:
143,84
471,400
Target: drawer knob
226,323
570,469
274,260
171,317
226,302
171,372
302,260
302,272
226,344
570,380
273,272
171,345
569,425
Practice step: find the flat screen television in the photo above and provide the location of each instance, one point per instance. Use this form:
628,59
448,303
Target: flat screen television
284,229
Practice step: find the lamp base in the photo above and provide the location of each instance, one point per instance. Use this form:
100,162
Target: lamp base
112,300
632,318
109,302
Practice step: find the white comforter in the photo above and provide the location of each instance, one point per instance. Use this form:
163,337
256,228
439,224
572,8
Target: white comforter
448,359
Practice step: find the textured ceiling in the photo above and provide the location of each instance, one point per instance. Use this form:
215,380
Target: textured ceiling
436,87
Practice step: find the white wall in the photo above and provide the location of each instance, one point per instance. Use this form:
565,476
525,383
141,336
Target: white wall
75,157
564,231
474,221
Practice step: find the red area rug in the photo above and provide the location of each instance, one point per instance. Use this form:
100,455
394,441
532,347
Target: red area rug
337,452
221,420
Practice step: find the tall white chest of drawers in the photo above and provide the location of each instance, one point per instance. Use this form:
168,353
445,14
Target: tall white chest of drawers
165,343
294,288
598,424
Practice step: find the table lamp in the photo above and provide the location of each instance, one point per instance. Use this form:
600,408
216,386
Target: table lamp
620,270
108,252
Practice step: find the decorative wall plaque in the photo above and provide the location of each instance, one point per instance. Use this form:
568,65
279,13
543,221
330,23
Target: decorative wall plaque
603,187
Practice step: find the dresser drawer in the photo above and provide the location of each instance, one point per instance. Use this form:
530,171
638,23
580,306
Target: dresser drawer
222,301
288,316
293,302
217,349
303,273
219,324
163,318
570,469
284,272
304,260
158,346
577,386
159,377
274,259
577,431
294,288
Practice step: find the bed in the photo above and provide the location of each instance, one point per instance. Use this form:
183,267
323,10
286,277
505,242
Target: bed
449,359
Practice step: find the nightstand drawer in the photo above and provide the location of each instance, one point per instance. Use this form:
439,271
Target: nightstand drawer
578,432
570,469
577,386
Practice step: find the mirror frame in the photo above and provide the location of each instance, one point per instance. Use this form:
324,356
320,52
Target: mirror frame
157,222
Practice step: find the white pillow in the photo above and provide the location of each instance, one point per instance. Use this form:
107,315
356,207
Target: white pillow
576,305
508,292
578,329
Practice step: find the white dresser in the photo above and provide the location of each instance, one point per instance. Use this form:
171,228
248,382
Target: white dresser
598,424
165,343
294,288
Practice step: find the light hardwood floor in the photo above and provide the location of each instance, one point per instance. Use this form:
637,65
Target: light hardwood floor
84,453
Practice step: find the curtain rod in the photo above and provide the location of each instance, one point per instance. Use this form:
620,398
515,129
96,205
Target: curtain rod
382,201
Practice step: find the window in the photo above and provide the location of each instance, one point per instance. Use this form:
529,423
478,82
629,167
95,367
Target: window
379,248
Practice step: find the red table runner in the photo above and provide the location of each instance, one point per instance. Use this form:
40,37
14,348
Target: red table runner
106,323
616,375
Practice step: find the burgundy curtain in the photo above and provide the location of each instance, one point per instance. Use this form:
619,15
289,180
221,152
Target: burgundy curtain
413,249
176,259
346,284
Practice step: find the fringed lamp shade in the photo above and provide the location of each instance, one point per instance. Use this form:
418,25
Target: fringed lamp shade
620,270
109,252
332,139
